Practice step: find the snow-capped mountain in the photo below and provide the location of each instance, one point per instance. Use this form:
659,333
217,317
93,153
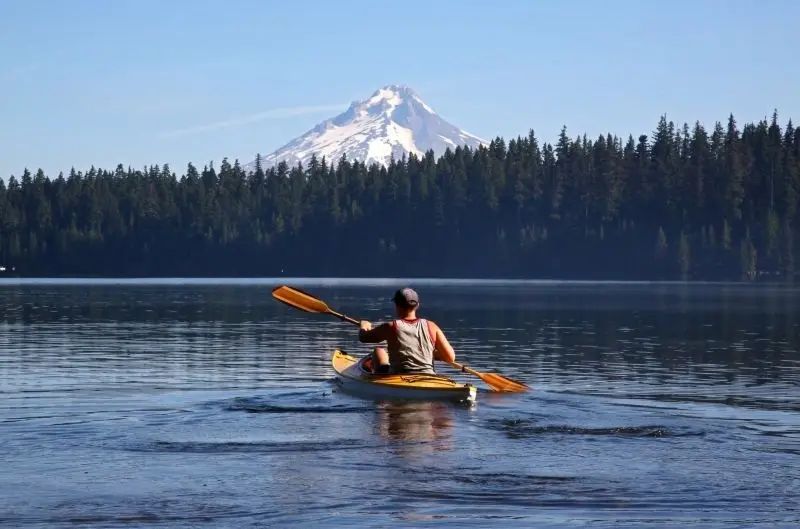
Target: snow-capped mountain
392,121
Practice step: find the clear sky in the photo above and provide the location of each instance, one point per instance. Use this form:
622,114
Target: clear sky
140,82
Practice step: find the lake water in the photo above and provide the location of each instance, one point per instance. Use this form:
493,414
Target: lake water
198,404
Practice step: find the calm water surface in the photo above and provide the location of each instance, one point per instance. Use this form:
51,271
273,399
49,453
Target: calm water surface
202,405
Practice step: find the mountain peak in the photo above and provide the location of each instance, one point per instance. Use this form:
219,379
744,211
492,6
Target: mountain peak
393,121
394,90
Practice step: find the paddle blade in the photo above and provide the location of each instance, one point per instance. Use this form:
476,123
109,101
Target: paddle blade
503,384
299,299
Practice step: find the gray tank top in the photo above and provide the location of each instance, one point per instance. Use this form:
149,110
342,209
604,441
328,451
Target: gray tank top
412,349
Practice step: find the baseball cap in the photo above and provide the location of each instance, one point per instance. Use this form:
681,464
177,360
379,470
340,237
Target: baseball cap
406,297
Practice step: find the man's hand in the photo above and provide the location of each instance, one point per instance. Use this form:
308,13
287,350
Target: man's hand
365,325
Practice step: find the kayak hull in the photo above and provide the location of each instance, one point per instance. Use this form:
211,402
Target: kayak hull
353,377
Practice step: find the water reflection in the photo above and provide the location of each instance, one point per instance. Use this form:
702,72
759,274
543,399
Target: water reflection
543,334
409,423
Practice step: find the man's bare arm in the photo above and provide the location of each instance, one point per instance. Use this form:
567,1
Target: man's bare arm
444,351
368,334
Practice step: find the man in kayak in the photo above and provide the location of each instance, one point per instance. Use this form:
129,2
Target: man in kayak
412,343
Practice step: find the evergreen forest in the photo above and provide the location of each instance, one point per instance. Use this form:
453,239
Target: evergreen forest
674,203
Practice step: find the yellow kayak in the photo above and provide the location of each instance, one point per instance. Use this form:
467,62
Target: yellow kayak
353,377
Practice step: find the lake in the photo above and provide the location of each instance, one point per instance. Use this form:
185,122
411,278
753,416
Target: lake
208,404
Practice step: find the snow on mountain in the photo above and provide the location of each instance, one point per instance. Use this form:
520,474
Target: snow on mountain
392,121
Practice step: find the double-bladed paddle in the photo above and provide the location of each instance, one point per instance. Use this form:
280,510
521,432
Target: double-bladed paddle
308,303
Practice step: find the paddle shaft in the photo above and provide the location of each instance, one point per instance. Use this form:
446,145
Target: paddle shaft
343,317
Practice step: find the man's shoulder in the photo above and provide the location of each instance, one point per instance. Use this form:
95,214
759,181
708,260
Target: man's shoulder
432,325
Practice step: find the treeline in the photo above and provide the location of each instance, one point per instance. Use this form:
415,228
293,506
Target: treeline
679,203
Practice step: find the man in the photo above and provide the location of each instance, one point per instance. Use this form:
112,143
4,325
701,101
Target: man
412,343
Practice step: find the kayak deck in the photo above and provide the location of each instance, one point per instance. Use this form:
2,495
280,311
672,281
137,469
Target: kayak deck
354,376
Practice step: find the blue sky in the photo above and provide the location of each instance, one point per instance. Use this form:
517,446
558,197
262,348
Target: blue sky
143,81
